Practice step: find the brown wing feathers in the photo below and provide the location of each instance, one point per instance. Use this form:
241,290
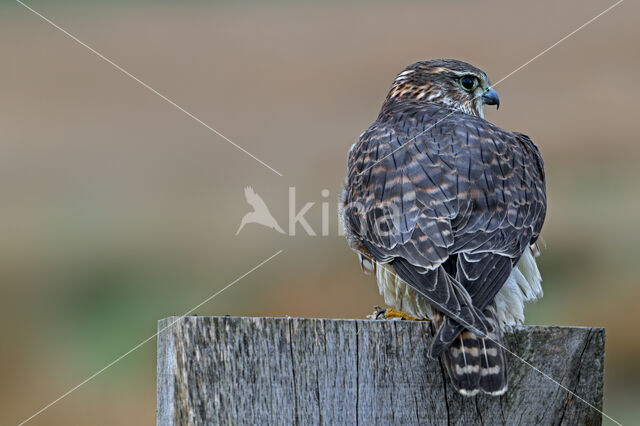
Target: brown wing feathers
462,196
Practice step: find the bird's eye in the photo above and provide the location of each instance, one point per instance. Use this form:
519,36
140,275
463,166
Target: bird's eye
468,82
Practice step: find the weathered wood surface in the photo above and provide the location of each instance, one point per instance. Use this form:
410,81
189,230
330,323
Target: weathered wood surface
228,370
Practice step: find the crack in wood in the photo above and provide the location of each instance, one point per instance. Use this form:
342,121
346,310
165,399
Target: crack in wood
215,370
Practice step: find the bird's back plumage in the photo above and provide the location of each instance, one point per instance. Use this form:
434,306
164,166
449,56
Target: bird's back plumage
448,202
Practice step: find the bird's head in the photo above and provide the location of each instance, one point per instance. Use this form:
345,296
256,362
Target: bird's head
447,82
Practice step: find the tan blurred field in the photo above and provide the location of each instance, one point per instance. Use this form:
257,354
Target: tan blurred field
118,209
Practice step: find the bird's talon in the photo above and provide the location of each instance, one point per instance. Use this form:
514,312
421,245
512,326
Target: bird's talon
377,312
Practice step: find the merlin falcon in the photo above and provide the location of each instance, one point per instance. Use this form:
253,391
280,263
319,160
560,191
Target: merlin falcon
445,209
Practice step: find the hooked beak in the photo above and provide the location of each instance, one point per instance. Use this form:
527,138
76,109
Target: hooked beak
491,97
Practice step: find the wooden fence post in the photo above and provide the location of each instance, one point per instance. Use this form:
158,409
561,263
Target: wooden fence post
229,370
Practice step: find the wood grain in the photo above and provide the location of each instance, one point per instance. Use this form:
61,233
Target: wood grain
229,370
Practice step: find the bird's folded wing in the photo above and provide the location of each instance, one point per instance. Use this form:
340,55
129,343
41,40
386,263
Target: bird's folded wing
461,186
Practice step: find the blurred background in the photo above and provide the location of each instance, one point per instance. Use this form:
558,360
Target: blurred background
119,210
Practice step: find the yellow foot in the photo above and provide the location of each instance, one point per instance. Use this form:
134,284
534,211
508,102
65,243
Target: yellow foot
393,314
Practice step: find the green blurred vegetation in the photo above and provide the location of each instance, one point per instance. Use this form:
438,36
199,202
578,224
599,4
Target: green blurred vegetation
119,210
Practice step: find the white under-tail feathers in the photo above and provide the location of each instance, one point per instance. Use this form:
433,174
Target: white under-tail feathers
524,285
397,293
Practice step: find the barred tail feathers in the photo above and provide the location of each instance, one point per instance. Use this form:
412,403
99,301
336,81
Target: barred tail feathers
474,364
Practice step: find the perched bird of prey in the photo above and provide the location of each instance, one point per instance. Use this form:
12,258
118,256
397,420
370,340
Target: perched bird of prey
445,209
260,213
